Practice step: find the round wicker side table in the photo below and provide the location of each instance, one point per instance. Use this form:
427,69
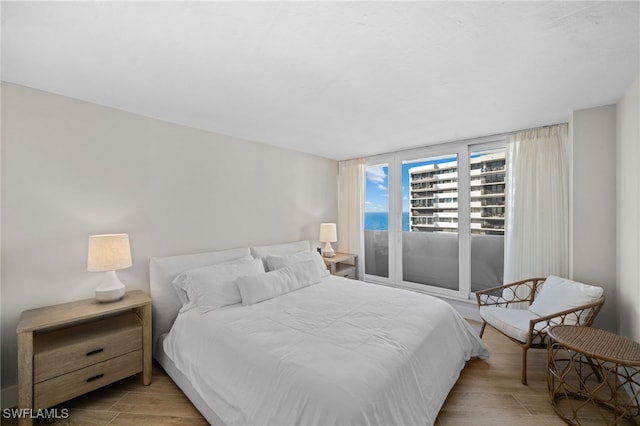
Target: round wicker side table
588,366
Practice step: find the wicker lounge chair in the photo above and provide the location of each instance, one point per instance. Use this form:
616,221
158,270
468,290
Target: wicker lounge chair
523,311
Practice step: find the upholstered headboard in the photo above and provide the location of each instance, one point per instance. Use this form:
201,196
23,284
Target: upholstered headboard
163,270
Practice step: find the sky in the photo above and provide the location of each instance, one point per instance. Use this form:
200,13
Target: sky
377,189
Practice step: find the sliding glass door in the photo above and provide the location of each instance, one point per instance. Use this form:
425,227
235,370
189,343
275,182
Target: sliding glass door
430,248
434,218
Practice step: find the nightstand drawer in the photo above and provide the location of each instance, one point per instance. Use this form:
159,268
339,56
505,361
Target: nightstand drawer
345,270
62,351
347,273
61,388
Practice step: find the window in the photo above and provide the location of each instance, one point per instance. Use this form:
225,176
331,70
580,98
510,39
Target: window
434,217
376,221
487,192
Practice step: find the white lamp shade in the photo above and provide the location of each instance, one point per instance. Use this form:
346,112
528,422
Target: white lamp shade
328,233
108,252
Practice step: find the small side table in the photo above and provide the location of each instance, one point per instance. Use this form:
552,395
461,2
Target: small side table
338,265
67,350
587,365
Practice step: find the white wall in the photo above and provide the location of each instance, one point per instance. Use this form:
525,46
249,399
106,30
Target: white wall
593,205
628,206
71,169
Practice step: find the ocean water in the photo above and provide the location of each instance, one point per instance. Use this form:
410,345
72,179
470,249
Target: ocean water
379,221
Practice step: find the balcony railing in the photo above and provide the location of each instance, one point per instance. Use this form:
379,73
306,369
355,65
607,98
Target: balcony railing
431,258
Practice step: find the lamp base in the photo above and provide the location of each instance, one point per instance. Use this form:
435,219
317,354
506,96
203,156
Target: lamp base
327,251
111,288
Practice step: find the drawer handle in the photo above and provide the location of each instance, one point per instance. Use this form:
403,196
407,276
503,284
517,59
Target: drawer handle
91,379
97,351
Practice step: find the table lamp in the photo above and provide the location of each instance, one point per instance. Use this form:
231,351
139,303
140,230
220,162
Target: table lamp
328,235
108,253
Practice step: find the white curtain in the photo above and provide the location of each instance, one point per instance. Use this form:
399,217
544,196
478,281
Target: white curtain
350,205
537,211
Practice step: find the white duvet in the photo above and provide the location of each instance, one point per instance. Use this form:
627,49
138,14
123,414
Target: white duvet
340,352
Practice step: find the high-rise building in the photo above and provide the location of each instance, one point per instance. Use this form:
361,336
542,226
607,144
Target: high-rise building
434,195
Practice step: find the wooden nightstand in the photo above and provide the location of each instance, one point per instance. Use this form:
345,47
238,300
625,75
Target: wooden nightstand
70,349
337,265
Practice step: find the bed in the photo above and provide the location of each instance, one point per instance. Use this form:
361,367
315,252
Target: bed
303,347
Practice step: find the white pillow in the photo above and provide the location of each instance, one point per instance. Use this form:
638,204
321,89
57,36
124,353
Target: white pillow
179,280
277,262
257,288
559,294
279,249
214,286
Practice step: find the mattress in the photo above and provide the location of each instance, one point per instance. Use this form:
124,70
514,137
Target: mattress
338,352
184,384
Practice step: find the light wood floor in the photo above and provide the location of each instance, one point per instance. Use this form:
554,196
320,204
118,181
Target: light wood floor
488,392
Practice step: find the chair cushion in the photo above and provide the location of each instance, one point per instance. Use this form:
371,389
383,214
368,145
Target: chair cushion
512,322
559,294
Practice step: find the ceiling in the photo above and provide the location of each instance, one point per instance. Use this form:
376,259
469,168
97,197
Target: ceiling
335,79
